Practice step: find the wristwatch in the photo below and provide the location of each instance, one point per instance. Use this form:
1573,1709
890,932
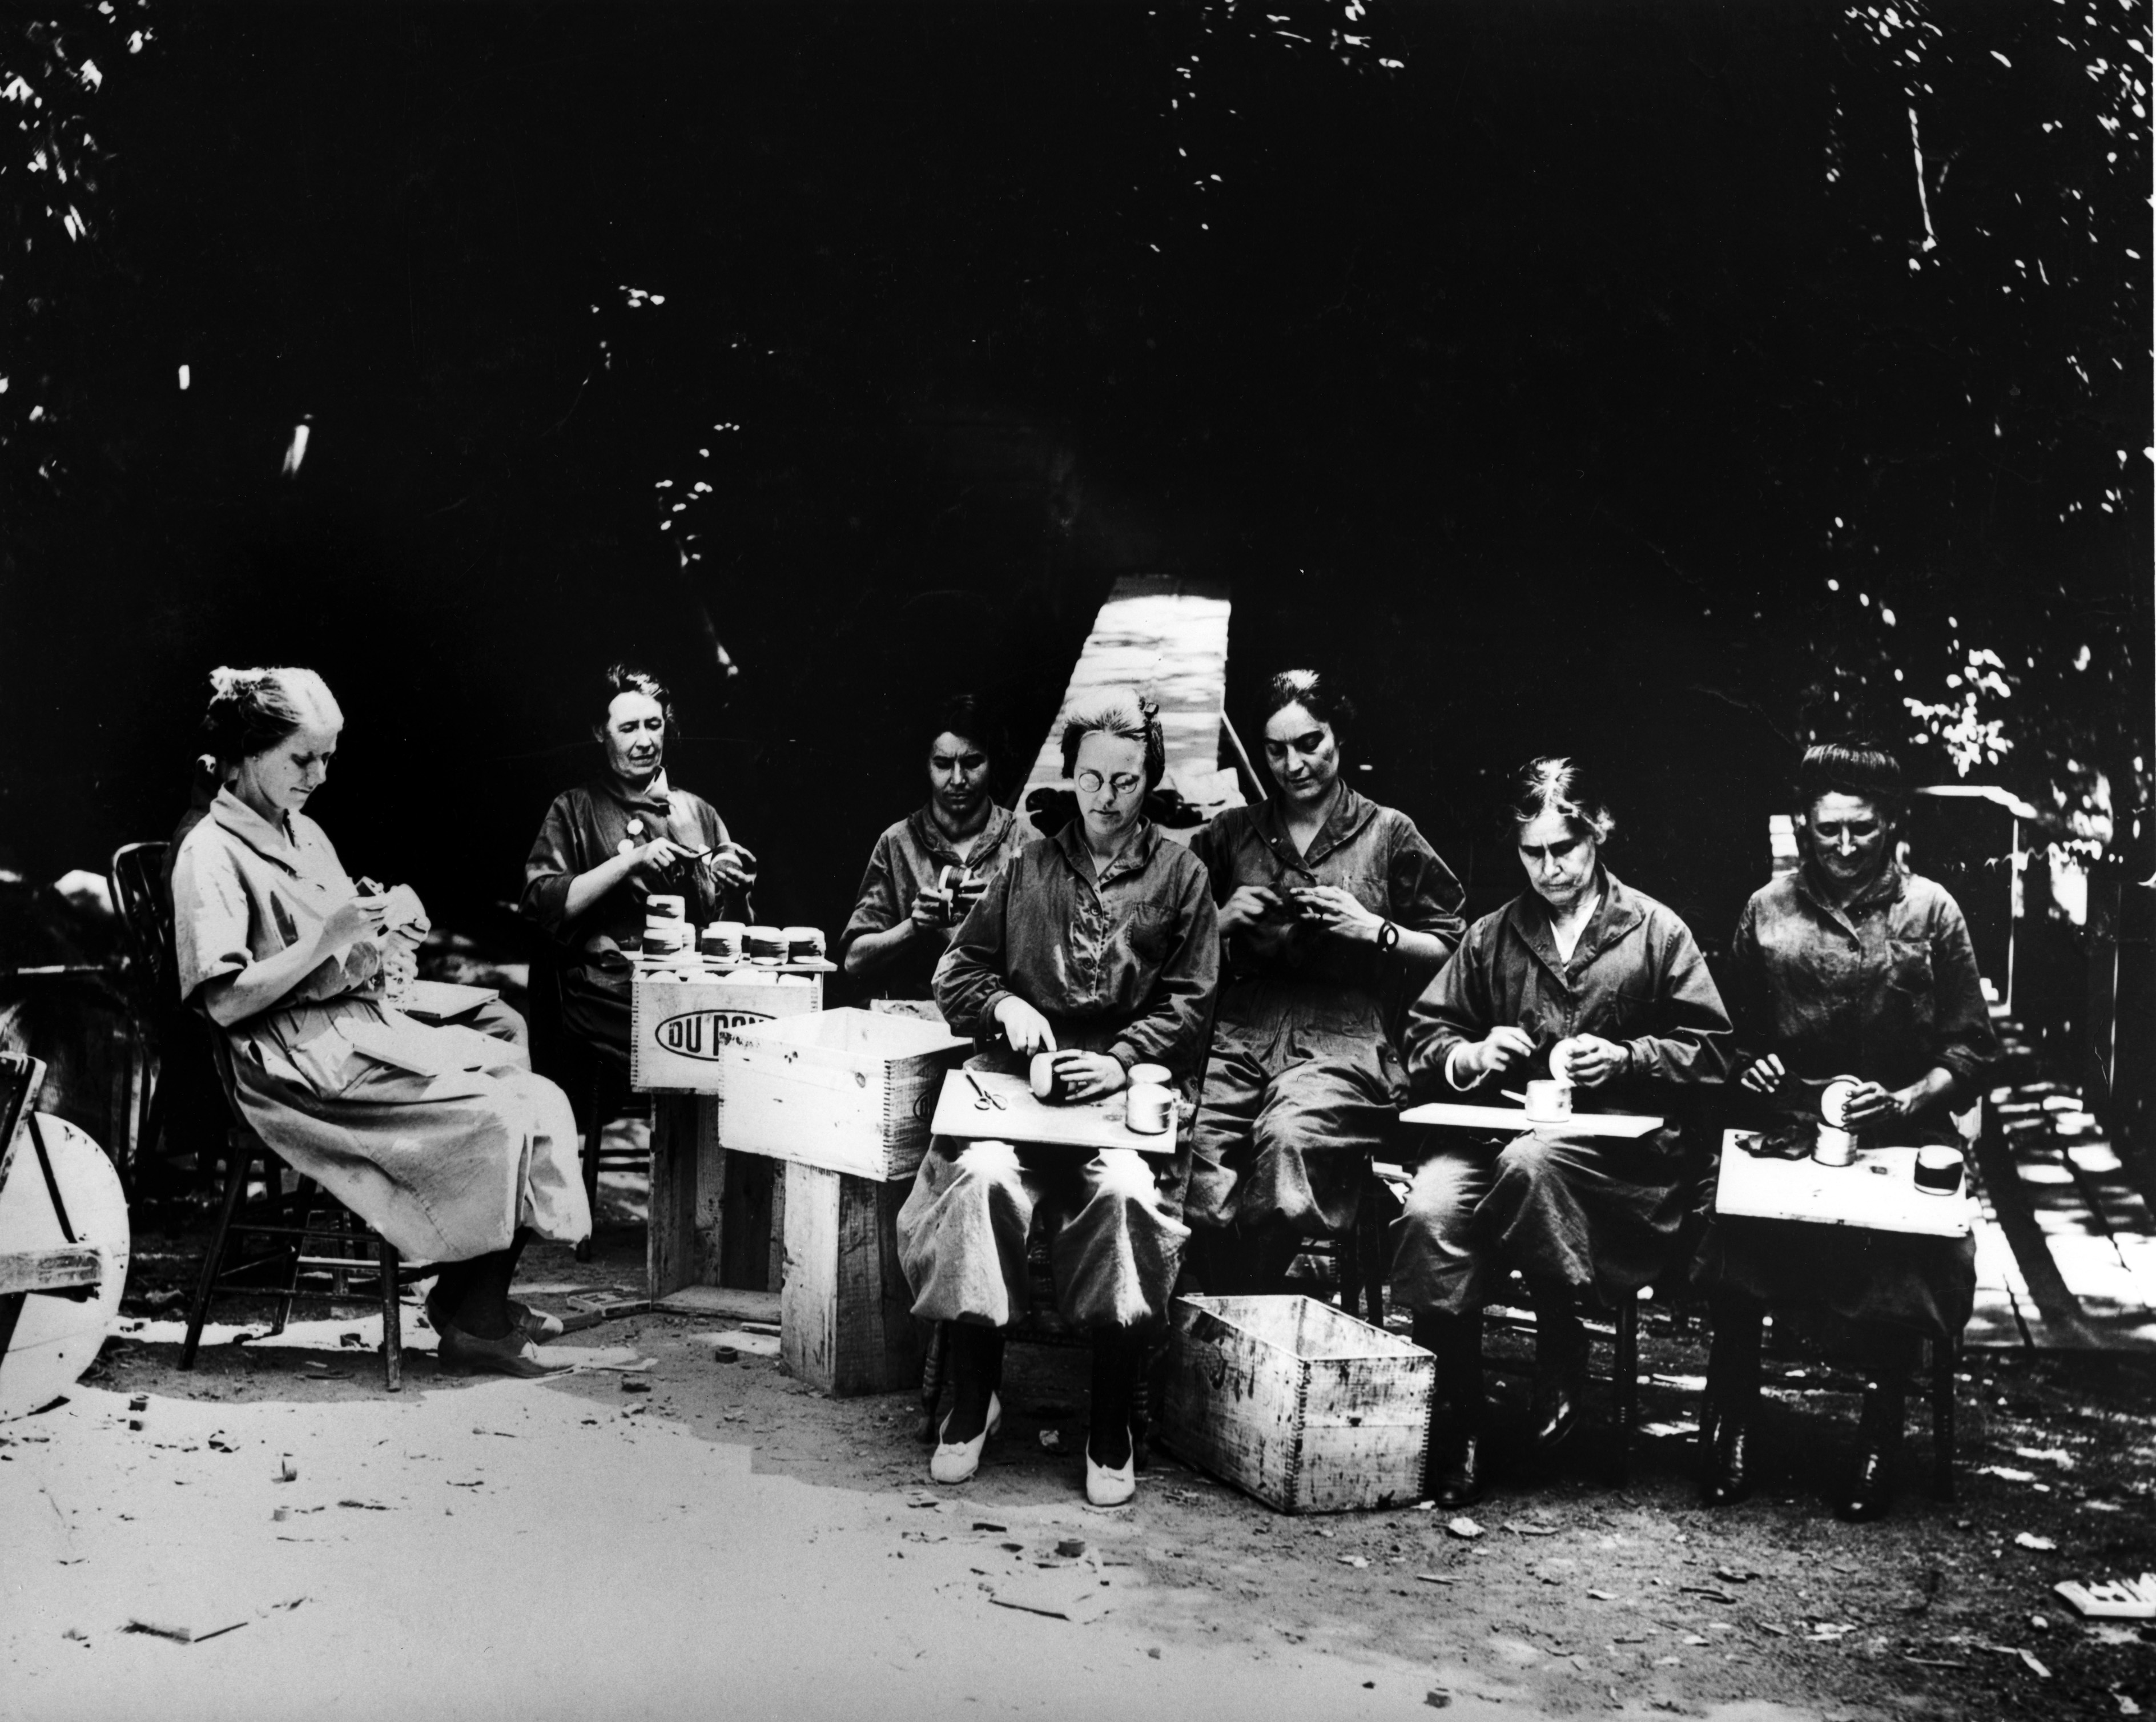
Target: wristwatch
1388,936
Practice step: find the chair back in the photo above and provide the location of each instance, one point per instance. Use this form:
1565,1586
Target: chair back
144,902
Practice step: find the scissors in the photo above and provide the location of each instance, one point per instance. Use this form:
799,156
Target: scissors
987,1099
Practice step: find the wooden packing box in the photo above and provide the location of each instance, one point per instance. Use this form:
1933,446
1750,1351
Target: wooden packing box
845,1312
1298,1403
848,1090
675,1027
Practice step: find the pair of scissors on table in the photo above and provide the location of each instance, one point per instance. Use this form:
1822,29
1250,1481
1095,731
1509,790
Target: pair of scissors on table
987,1099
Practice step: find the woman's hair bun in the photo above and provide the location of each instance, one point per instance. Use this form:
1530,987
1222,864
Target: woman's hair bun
251,710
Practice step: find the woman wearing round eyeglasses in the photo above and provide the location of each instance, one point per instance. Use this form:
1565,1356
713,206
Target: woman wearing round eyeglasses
1100,947
1851,966
1333,913
1578,959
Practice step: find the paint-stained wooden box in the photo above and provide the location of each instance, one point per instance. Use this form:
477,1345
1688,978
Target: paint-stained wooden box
1297,1403
676,1028
851,1091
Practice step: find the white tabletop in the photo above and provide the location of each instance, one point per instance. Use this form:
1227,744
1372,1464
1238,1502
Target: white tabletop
1878,1193
1514,1119
1024,1119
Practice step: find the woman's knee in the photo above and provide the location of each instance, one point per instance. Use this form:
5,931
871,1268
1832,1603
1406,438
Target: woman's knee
1124,1175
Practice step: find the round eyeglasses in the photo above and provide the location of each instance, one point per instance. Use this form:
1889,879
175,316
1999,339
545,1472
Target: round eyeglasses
1124,782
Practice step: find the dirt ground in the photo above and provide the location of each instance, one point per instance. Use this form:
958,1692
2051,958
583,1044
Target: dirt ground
705,1533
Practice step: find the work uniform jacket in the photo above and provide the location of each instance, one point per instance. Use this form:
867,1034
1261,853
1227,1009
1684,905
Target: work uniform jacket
908,858
1636,977
583,829
1125,961
1886,990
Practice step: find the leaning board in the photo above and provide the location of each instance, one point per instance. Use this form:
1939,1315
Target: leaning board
1515,1120
1022,1118
1878,1193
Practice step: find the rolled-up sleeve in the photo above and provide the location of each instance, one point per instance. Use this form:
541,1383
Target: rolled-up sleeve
1691,1039
969,979
1424,893
210,916
549,869
1172,1029
1963,1042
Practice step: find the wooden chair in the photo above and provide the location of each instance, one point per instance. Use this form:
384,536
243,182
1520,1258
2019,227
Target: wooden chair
72,1271
348,1253
600,1084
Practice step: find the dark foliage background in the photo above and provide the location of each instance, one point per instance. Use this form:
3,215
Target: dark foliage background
1659,383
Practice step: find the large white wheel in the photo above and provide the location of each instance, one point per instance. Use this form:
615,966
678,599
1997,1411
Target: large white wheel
55,1338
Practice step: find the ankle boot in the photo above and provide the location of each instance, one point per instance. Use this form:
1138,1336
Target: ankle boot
1455,1463
1731,1397
1870,1492
1560,1381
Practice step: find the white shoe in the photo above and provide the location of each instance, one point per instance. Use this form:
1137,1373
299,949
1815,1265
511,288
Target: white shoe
955,1461
1107,1486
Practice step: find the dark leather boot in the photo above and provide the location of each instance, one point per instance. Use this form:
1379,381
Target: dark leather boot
1560,1381
1454,1464
1870,1492
1732,1399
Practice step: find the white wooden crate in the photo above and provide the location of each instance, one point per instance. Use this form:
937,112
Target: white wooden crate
851,1091
675,1027
1298,1403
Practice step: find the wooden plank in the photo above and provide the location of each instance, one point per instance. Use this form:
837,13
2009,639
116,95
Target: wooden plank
1166,636
1878,1193
671,1251
1514,1119
41,1270
846,1324
721,1303
2057,1307
1022,1118
439,1000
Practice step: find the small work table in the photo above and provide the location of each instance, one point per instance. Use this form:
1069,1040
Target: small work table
1878,1192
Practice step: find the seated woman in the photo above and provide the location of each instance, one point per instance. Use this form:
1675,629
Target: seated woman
604,847
441,1139
1329,904
904,919
1611,981
1100,945
1850,965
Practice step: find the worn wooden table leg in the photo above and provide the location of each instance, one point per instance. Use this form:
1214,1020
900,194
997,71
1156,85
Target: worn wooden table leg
845,1314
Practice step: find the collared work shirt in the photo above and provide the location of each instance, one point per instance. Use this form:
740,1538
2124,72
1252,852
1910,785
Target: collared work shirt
1372,852
1886,989
584,829
1125,961
908,858
1636,977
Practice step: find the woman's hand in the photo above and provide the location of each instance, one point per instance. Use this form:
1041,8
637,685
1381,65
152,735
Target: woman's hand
1246,906
1763,1076
931,913
1024,1028
1498,1051
1871,1105
733,866
1592,1061
1339,912
350,922
656,859
1087,1076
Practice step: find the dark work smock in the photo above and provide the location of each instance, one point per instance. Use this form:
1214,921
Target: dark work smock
1123,962
1304,1079
1593,1213
908,859
588,826
1887,990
